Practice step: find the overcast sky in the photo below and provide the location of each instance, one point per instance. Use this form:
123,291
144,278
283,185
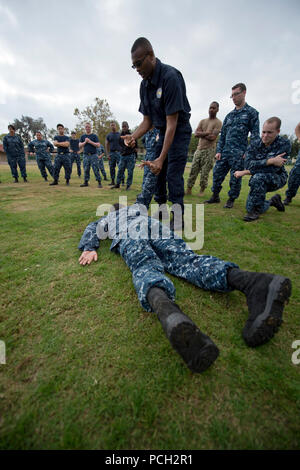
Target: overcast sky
56,55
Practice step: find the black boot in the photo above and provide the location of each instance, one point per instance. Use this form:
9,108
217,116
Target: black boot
25,179
99,184
266,294
127,187
112,183
67,182
251,216
287,200
84,184
229,204
196,349
115,186
213,200
16,180
53,183
105,179
45,178
276,201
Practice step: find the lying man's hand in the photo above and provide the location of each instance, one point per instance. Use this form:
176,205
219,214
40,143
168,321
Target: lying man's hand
87,257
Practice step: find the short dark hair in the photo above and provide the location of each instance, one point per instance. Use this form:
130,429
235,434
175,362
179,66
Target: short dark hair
215,102
276,120
143,43
242,86
10,126
60,125
73,132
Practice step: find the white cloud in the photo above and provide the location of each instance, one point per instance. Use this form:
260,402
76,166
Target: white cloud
9,15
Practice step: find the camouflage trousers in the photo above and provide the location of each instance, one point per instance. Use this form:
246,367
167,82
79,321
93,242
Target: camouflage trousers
75,157
232,163
294,179
149,259
260,184
13,161
101,167
150,156
62,159
203,163
43,163
88,162
126,161
113,162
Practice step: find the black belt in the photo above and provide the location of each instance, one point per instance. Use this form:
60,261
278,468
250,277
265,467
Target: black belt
91,153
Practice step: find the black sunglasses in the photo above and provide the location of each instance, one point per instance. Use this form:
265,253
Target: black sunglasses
138,63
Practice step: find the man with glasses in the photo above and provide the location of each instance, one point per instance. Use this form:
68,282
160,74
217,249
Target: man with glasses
165,106
233,144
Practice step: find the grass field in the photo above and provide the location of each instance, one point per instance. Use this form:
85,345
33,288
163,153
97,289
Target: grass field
88,368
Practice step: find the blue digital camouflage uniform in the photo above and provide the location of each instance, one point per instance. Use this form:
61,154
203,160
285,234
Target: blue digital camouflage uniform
264,178
75,156
294,179
150,141
14,149
232,145
127,160
100,151
114,152
90,157
150,248
63,158
162,95
43,158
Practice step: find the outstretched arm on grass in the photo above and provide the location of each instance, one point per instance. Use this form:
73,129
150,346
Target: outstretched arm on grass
87,257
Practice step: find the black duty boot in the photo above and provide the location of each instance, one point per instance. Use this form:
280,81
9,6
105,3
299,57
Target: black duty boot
276,201
196,349
115,186
99,184
67,182
53,183
127,187
229,204
251,216
287,201
84,184
266,295
16,180
213,200
25,179
112,183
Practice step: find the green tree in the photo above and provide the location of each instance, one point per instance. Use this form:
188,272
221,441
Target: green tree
99,115
28,126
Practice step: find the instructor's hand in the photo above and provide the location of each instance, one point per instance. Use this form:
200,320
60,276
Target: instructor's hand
155,166
87,257
129,141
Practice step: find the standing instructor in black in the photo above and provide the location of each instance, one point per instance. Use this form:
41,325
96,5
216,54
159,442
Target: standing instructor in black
165,106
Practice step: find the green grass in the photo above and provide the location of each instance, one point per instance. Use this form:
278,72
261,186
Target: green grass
88,368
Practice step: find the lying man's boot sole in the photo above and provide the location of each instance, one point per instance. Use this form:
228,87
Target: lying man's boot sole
268,322
196,349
